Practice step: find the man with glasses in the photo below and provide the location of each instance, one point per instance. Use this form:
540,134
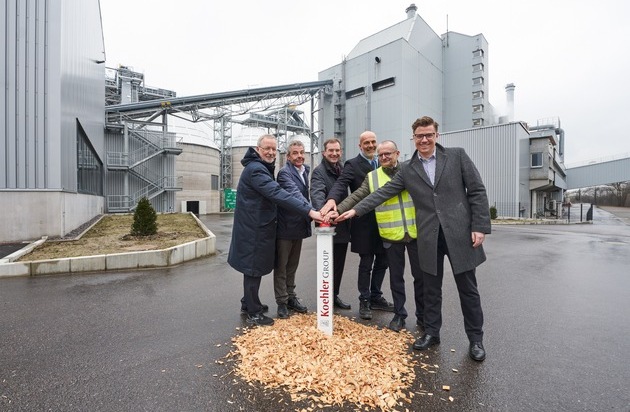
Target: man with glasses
396,220
364,236
453,217
253,246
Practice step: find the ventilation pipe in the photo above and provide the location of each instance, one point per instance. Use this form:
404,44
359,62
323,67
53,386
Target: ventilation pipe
509,91
411,11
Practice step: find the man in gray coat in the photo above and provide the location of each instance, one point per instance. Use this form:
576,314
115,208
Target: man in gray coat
253,246
452,216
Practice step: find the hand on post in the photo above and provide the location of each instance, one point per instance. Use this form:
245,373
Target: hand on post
330,205
331,216
346,215
316,216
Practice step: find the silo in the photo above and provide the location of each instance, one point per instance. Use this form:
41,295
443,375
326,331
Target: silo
199,168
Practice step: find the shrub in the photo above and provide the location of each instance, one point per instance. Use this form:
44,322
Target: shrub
493,212
144,219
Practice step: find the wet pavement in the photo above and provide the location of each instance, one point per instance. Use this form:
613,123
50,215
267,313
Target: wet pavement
556,300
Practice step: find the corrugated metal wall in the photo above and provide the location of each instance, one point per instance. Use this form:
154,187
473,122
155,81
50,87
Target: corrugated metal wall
497,153
599,174
23,108
51,78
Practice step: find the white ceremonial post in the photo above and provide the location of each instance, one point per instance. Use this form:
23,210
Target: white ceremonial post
325,275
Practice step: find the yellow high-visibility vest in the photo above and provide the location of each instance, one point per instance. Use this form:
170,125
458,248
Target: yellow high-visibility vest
397,215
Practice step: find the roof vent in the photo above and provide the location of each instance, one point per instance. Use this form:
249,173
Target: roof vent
411,11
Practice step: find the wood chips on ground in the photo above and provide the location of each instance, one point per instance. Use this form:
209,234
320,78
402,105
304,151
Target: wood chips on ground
359,364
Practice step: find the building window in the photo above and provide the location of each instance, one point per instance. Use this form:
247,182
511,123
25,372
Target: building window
477,67
214,182
477,81
478,94
477,122
478,108
537,159
355,92
478,53
89,166
383,84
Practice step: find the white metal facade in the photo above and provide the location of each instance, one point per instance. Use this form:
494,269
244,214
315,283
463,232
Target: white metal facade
607,172
52,71
404,72
501,154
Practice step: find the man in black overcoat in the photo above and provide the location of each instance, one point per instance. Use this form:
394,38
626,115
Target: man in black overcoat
253,245
322,180
364,235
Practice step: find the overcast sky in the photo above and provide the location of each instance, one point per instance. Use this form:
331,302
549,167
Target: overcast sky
569,59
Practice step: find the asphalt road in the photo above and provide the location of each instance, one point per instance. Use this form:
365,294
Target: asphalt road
556,300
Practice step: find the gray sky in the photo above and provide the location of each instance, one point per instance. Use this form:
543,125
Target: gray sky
568,58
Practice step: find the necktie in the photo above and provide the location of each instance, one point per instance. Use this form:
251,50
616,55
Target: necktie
374,164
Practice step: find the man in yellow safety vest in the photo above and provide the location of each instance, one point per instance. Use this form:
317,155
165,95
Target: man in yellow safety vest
396,220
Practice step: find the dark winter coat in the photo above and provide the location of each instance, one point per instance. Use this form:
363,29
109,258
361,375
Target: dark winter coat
457,202
293,225
364,233
253,245
322,180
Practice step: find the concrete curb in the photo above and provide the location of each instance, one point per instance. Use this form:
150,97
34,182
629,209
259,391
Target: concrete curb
98,263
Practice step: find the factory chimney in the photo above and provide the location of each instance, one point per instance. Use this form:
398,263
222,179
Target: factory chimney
509,91
411,11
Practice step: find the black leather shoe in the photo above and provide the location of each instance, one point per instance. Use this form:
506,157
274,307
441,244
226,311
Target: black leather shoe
364,309
265,308
425,342
295,305
283,311
476,351
341,304
397,324
381,303
259,319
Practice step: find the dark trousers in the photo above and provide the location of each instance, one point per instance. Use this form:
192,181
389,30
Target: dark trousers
287,260
468,298
339,263
371,277
251,300
396,260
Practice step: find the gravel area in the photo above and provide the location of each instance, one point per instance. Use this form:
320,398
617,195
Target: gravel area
72,235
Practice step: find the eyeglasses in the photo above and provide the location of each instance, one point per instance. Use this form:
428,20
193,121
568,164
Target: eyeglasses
428,136
268,149
385,154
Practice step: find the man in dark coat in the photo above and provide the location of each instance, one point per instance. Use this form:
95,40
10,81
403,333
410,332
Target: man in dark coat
253,245
324,177
292,228
364,234
453,217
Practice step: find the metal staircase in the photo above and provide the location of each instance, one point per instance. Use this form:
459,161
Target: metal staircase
145,145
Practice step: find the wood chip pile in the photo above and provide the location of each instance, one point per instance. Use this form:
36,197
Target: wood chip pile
359,364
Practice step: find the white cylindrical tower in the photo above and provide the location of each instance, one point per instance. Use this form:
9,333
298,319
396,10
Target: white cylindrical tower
509,91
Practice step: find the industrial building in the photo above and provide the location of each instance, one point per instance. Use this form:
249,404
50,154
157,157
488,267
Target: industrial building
52,139
406,71
79,139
